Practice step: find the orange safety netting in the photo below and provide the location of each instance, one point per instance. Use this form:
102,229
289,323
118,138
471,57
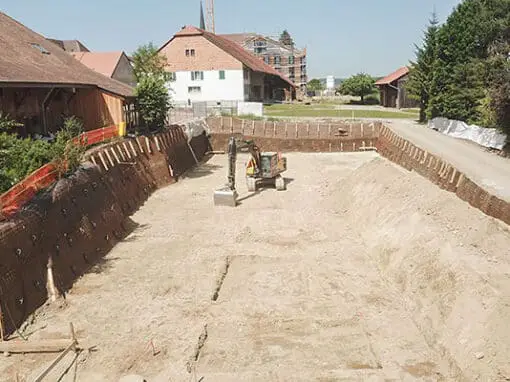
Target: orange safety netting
21,193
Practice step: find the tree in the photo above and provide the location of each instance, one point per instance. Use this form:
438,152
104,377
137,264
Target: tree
460,80
148,62
315,85
286,39
419,84
359,85
153,99
496,106
69,147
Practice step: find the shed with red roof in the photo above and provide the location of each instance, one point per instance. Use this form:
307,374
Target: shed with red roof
392,89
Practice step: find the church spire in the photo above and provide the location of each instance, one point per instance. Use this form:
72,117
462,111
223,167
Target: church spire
202,21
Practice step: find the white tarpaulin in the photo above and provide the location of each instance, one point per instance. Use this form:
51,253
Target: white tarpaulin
486,137
195,128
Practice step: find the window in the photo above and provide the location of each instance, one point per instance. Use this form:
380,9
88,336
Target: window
192,52
277,60
194,89
40,48
187,52
172,76
197,76
222,74
291,60
266,59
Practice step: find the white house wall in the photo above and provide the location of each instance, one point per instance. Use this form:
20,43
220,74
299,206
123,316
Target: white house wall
212,88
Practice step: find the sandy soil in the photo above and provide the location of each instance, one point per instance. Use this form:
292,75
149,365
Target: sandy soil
359,271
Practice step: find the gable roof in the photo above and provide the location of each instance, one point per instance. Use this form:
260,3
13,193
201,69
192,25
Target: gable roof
29,58
234,49
240,38
102,62
70,45
398,74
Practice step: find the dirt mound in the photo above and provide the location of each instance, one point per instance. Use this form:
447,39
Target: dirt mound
448,261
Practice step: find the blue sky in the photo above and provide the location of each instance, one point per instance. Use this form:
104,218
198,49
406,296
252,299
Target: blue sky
342,37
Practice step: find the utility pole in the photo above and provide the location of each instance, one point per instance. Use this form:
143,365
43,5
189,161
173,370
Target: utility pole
209,5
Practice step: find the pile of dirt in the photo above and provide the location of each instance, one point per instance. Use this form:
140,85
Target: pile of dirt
448,261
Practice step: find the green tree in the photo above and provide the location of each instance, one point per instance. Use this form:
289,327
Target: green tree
419,84
286,39
496,105
460,80
153,99
315,85
359,85
148,62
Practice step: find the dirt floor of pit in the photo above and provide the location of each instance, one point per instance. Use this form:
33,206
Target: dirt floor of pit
330,280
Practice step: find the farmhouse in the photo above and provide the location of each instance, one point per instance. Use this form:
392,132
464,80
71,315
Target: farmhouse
208,67
40,84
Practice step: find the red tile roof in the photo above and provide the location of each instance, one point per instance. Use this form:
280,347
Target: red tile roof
393,76
29,58
240,38
234,49
102,62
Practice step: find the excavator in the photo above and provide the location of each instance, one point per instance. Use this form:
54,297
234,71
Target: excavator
262,168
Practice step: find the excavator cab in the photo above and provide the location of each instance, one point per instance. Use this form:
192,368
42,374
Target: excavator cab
261,168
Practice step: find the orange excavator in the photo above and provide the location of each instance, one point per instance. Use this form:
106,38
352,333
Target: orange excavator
261,168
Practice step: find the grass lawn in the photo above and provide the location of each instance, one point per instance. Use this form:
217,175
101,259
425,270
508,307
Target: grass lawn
328,111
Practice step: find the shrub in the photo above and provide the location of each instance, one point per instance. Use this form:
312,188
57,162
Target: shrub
67,150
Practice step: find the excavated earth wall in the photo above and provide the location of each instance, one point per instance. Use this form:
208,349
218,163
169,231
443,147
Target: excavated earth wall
295,136
77,221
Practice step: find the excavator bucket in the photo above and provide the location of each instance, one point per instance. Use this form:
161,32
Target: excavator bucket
225,197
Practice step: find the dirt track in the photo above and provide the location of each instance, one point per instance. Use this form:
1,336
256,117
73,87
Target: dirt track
359,271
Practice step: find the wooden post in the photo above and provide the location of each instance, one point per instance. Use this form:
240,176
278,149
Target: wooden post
135,153
103,161
72,346
114,155
52,291
109,157
126,149
2,331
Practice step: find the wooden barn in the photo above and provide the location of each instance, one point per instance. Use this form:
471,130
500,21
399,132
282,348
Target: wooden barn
41,84
393,92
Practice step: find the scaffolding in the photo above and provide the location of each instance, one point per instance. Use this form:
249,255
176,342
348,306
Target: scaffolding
209,9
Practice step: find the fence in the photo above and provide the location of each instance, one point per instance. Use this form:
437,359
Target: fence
185,111
21,193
